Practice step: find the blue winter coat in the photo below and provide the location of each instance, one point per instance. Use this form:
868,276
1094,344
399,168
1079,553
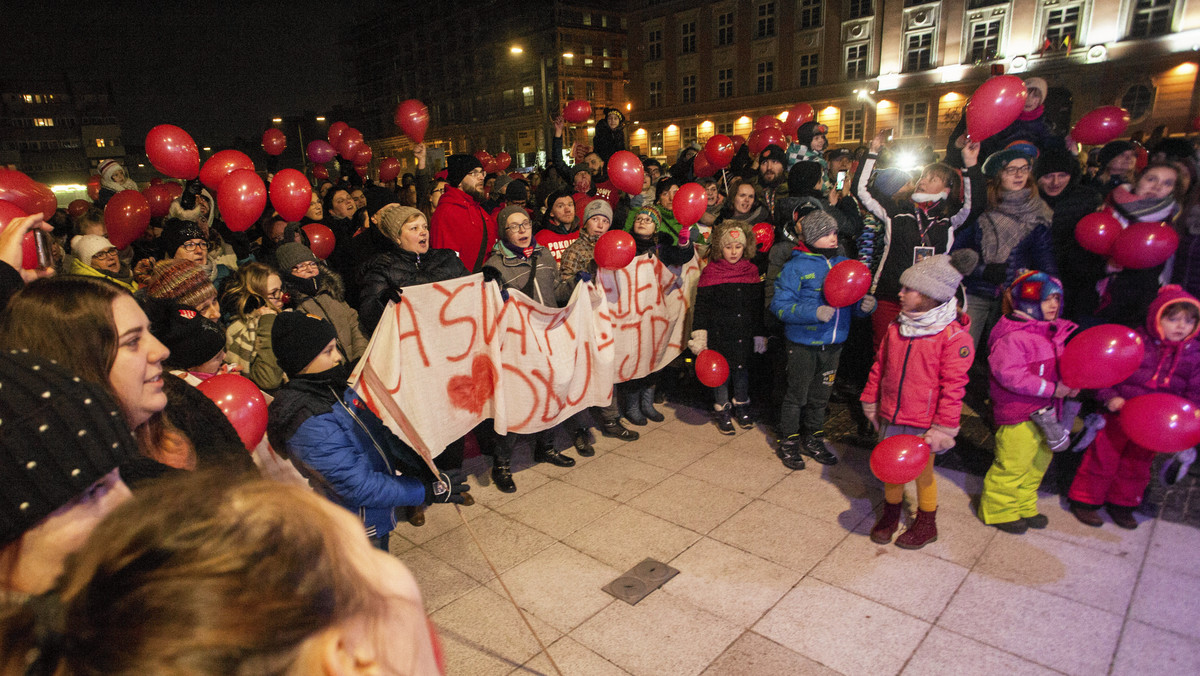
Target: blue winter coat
799,291
346,452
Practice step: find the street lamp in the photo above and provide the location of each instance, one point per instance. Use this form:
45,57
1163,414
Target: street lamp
517,50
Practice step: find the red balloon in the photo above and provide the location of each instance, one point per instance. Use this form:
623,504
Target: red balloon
483,157
173,152
719,150
764,234
363,156
798,115
241,199
274,142
319,171
290,194
222,164
93,187
1097,232
1143,158
413,118
159,198
1161,422
242,403
846,283
760,139
711,368
389,169
78,208
615,249
175,189
320,239
361,170
320,152
503,159
626,172
738,142
349,143
126,217
995,105
702,168
156,181
768,122
1145,245
689,204
29,254
1101,356
577,111
32,197
900,459
1101,125
335,133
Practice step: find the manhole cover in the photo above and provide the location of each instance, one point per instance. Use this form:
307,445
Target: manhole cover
637,583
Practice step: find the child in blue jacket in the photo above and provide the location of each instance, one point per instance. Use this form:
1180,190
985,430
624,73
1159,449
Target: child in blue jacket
335,441
815,332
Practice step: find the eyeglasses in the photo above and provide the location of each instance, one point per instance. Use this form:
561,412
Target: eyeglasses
107,253
1017,171
439,191
306,265
192,246
520,227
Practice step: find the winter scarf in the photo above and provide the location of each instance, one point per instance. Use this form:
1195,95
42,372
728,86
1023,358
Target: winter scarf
723,272
1005,225
929,322
1142,209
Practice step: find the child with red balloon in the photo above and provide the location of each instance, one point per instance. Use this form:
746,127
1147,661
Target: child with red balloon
726,319
917,384
1115,469
1027,399
815,331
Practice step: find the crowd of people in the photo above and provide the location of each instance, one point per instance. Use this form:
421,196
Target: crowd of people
977,284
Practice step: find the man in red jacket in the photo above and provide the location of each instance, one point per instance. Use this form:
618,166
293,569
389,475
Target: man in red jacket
459,222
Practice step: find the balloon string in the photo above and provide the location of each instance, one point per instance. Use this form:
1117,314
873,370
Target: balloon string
511,600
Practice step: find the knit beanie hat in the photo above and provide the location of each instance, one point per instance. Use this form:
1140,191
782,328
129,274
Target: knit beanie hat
652,213
502,217
297,338
807,131
181,281
1054,161
291,254
889,181
997,161
773,152
517,190
598,207
192,338
59,434
393,218
803,176
459,165
1039,84
815,225
501,184
107,168
175,232
1110,151
933,276
1027,292
731,230
86,246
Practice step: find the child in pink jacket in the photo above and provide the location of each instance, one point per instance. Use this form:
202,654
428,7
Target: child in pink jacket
1116,471
1023,353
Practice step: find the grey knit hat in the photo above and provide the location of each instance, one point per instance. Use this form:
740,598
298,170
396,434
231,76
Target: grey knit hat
505,213
292,254
597,207
934,276
816,225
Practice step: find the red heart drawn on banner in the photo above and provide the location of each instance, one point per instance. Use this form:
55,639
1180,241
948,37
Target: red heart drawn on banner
471,392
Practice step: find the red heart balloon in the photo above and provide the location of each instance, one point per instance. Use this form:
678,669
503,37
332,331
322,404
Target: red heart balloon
413,118
320,240
126,217
614,250
222,164
242,403
995,105
1161,422
1145,245
1098,232
711,368
1101,356
503,159
626,172
241,199
719,150
290,194
389,169
900,459
846,283
689,204
1101,125
159,198
173,152
274,142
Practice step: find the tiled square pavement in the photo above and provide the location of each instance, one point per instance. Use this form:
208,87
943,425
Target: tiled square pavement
777,575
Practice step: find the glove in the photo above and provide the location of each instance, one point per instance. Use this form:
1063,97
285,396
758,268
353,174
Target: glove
1062,391
190,190
493,275
760,344
939,438
698,342
390,295
871,412
867,304
685,235
446,488
583,276
825,313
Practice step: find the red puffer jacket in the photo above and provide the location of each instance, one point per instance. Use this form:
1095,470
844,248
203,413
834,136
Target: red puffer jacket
920,381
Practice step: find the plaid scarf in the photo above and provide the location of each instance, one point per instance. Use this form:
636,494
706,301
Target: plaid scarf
1004,226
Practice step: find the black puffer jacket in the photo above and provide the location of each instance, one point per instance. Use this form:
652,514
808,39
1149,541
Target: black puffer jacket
397,268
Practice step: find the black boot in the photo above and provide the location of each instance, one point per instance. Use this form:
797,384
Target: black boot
814,447
632,408
583,443
648,409
502,476
721,418
614,429
789,452
550,454
741,414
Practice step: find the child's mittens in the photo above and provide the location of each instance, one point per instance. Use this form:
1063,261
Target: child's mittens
867,304
871,413
760,344
825,313
698,342
685,234
940,439
1062,391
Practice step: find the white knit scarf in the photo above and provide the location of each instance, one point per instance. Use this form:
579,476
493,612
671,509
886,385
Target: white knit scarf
929,322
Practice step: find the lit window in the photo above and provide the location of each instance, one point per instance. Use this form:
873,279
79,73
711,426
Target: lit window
43,122
99,143
914,117
856,61
656,143
27,98
984,41
1062,27
527,95
918,51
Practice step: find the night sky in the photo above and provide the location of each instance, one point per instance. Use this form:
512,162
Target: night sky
218,69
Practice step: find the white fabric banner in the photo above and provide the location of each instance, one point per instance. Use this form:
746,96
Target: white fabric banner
452,354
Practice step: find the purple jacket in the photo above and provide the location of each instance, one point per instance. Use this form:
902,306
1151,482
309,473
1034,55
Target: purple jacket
1166,366
1023,355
